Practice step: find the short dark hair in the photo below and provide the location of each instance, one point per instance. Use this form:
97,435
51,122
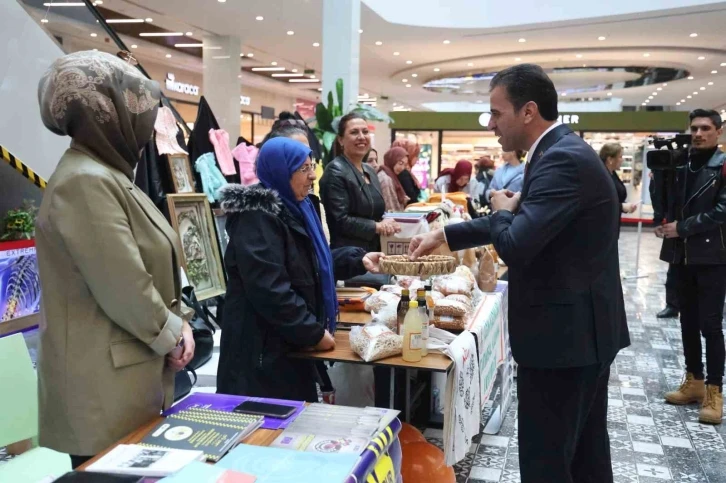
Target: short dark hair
714,116
525,83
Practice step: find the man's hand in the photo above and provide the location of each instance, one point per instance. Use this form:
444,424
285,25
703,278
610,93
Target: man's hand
187,353
505,200
668,230
371,261
424,244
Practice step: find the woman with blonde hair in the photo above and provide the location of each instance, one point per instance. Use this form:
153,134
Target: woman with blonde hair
611,155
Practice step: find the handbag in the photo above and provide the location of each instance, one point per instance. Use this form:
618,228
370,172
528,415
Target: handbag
202,329
183,383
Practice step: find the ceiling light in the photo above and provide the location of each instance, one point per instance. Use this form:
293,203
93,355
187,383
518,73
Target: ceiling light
250,54
470,64
161,34
602,37
303,80
678,103
693,35
584,65
522,40
695,93
221,1
168,56
98,2
316,44
690,77
517,59
710,83
267,69
148,20
665,84
189,34
701,58
124,20
94,34
447,42
219,57
379,42
190,45
286,74
714,72
650,97
436,69
589,98
689,97
416,75
360,31
259,18
43,20
564,93
579,56
320,89
64,4
134,46
408,85
312,77
642,104
294,70
723,64
290,32
646,54
404,80
409,62
703,88
610,93
273,63
397,53
683,100
239,76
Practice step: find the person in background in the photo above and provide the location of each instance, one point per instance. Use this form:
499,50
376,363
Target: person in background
693,242
351,192
372,159
281,292
111,335
612,155
509,176
457,179
410,184
394,162
484,175
673,306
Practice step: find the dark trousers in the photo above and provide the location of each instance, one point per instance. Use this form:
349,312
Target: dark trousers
671,287
702,289
563,434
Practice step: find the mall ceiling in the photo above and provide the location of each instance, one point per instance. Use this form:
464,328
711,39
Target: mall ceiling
594,58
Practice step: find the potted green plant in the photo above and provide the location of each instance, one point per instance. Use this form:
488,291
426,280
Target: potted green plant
327,118
19,224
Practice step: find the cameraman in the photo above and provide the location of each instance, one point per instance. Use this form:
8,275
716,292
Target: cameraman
695,244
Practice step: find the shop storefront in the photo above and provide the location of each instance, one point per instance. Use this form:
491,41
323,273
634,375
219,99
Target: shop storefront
453,136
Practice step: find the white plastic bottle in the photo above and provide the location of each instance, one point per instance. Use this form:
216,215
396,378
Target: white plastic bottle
412,337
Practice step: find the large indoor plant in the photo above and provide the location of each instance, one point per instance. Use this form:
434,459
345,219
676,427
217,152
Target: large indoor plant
327,118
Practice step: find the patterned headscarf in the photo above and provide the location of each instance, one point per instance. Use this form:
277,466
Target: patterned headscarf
104,103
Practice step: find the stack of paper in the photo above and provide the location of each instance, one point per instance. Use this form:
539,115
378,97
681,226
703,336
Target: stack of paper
133,459
205,473
462,407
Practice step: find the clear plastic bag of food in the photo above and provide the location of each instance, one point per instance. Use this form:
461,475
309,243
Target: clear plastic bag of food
451,284
375,341
379,300
387,315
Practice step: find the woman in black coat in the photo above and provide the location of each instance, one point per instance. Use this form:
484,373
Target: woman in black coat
612,155
351,193
281,290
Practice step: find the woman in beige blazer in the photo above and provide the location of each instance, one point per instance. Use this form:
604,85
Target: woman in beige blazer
109,263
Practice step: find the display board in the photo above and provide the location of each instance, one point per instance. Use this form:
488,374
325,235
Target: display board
19,286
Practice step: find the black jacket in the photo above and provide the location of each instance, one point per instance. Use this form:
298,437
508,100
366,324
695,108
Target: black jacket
409,186
274,303
700,213
566,302
352,208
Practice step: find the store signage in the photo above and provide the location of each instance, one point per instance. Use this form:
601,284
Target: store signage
173,85
245,101
569,119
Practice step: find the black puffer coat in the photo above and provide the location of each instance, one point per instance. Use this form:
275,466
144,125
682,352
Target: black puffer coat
274,301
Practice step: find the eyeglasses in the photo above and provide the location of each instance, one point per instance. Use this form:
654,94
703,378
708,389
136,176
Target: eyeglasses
306,168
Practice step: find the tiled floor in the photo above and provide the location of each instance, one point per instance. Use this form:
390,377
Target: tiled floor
650,441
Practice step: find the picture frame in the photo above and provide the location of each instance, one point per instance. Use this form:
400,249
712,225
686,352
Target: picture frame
191,217
180,170
220,220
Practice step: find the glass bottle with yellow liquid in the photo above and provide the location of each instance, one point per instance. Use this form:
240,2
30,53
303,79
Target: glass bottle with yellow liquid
412,337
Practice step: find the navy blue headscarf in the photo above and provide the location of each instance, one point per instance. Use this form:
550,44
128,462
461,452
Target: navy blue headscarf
277,161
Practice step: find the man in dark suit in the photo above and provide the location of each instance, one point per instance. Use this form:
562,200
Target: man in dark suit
566,316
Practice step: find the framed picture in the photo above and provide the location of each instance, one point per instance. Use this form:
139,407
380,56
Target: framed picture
19,286
181,173
191,217
220,219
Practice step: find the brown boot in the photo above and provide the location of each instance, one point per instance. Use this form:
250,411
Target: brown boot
712,408
692,390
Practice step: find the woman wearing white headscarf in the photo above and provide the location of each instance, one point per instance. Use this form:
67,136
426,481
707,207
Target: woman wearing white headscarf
111,334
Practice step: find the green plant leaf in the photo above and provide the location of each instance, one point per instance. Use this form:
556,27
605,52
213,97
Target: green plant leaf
328,140
336,122
339,91
371,113
331,103
324,117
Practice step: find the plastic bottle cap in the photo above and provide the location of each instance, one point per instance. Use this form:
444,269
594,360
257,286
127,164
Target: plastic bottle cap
413,304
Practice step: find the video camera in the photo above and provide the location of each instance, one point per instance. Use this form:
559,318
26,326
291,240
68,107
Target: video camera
668,159
663,163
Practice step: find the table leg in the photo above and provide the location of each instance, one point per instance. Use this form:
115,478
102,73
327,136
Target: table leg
408,397
392,390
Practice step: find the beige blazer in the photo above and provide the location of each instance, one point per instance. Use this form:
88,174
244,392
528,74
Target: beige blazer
110,311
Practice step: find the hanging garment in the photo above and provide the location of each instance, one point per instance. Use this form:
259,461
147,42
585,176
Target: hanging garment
246,156
212,179
199,142
166,131
220,140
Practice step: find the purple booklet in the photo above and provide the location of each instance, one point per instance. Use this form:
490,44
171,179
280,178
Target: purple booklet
226,402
